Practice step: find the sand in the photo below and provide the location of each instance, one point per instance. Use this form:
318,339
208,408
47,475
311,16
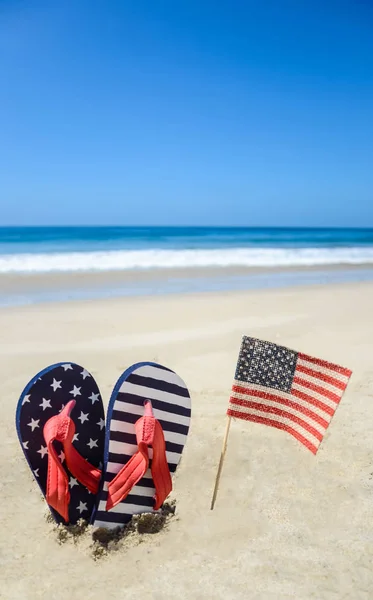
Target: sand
155,278
286,524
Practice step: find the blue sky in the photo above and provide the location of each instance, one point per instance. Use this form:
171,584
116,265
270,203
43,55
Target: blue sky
189,112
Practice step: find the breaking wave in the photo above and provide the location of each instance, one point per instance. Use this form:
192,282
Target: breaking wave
116,260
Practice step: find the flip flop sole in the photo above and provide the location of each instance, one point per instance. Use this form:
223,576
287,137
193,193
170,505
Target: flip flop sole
44,397
171,406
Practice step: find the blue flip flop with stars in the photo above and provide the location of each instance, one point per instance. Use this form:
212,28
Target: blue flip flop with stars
44,397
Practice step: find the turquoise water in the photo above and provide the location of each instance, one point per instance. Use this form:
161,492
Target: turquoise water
64,249
100,249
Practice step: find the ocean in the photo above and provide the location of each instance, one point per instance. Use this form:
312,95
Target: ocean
64,250
69,249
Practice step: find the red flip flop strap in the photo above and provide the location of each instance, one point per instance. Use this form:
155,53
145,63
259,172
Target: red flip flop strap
128,477
160,470
57,494
62,428
81,469
148,432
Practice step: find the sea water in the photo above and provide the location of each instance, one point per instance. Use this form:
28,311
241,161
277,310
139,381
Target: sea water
38,250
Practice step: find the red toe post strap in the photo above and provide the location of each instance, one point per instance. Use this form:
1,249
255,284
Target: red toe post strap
62,429
148,433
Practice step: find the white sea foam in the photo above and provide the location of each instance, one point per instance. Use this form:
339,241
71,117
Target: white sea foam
163,259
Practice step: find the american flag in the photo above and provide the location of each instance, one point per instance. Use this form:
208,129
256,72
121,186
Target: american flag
285,389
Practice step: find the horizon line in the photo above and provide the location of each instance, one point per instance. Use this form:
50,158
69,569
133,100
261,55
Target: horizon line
98,226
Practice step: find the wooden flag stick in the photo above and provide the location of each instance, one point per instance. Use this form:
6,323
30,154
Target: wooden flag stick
222,456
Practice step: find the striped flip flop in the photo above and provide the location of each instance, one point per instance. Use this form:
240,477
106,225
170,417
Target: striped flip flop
61,427
146,430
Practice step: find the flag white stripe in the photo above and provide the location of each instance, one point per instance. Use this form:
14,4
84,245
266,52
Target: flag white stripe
261,388
315,395
319,382
279,419
288,409
152,394
266,402
329,372
297,386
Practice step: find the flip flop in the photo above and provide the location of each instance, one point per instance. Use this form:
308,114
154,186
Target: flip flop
61,427
147,426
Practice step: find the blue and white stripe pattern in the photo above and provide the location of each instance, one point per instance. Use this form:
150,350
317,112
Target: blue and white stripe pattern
171,406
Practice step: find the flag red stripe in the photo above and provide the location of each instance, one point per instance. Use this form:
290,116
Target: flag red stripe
314,401
284,401
280,413
272,423
339,384
316,388
324,363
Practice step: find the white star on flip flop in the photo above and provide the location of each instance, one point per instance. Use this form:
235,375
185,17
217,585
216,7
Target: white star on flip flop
56,384
92,443
62,407
73,482
36,472
26,399
61,456
101,424
75,438
34,424
83,417
94,397
82,506
85,373
45,404
75,391
43,451
25,445
66,367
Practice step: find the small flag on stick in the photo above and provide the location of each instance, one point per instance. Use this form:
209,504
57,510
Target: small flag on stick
285,389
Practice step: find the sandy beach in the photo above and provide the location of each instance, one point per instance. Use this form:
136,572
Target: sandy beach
286,524
14,283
